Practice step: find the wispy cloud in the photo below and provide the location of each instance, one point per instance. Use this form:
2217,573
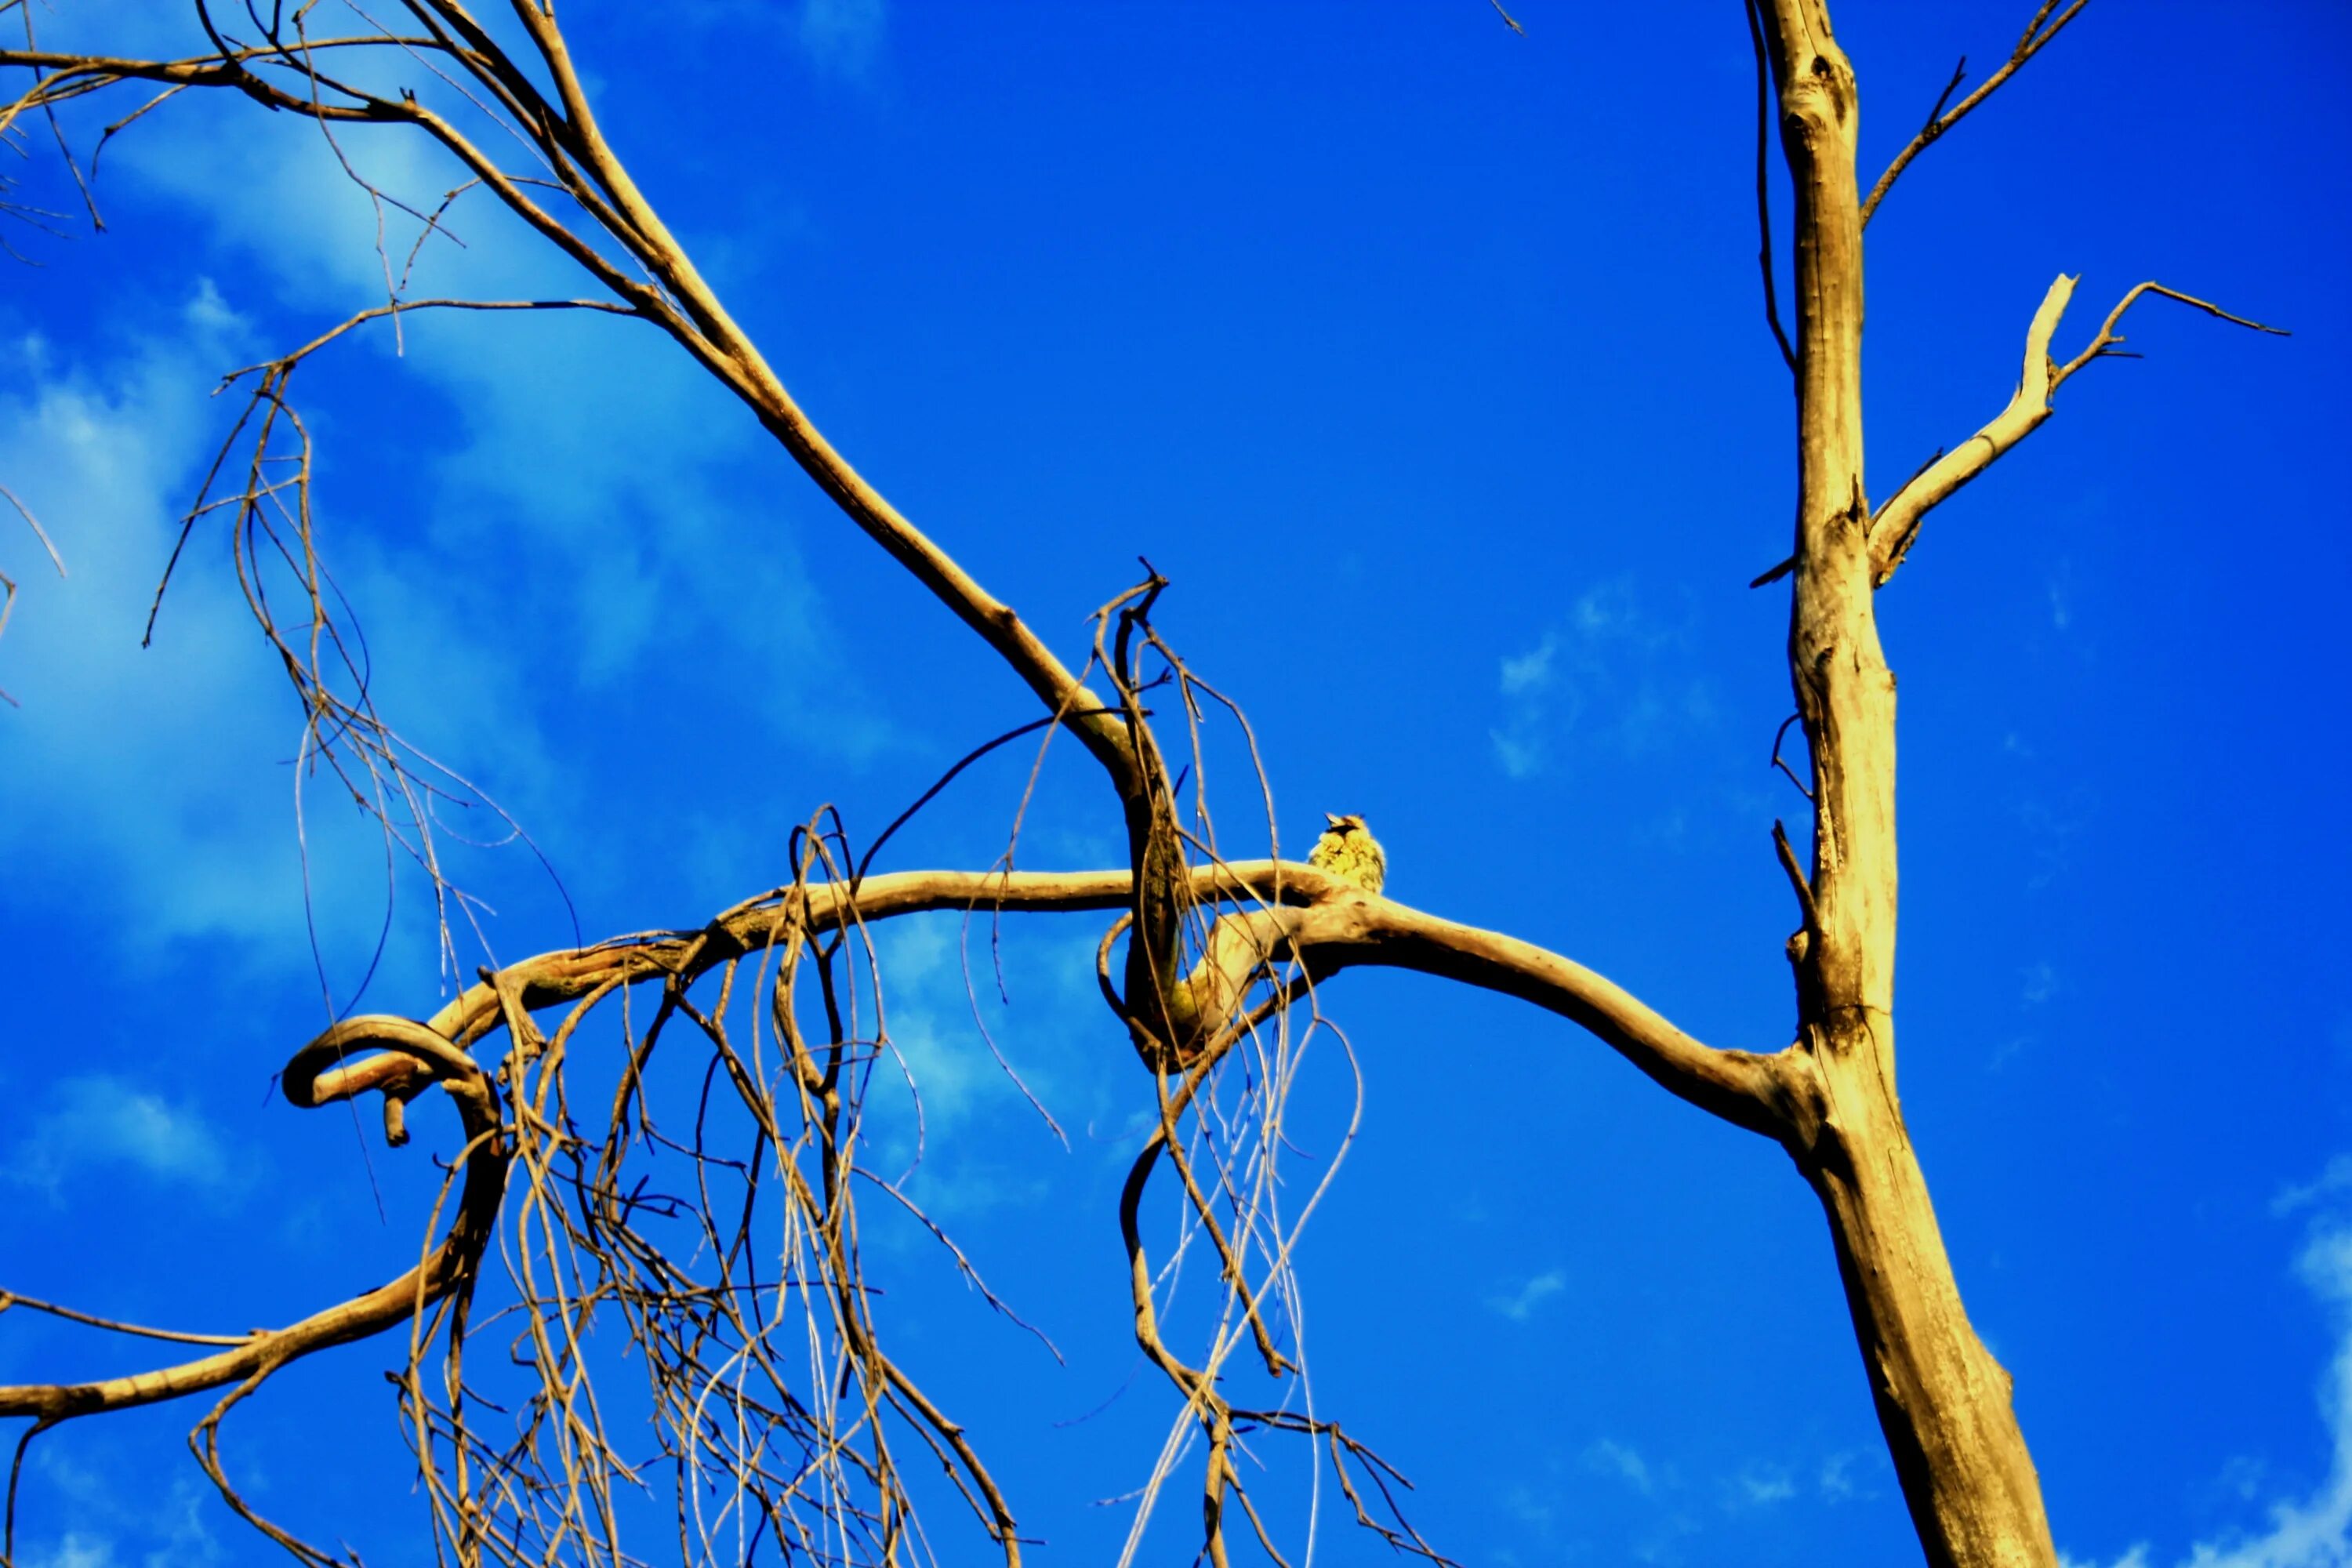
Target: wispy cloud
102,1122
1838,1480
76,1551
587,442
1605,675
2312,1531
1761,1487
1610,1458
140,768
1050,1037
596,455
1521,1304
155,1528
154,778
2330,1183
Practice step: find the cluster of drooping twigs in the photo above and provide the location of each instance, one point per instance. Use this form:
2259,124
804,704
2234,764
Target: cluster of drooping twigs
697,1182
781,1422
696,1185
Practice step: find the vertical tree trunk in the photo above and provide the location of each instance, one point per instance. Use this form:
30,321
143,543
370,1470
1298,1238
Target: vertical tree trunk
1943,1401
1941,1398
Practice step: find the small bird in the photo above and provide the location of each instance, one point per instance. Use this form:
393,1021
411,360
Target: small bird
1348,851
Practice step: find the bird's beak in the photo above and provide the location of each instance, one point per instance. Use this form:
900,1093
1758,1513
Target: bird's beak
1332,818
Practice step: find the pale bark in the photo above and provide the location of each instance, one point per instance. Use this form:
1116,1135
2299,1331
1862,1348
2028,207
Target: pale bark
1289,909
1943,1403
1830,1098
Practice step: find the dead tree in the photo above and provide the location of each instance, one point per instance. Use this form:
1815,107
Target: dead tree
1224,962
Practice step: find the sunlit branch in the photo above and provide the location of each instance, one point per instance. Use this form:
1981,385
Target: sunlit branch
1896,524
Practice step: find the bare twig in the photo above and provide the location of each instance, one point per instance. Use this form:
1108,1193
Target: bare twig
2038,33
2102,345
1764,200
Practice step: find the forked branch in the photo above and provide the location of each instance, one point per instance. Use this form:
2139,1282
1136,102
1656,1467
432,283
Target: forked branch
2038,33
1896,524
658,281
1329,926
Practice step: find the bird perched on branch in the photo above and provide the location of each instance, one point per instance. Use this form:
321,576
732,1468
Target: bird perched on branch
1348,851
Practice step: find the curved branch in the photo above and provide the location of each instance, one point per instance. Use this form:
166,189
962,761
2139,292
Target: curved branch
1297,911
315,1076
1897,522
1328,925
1349,930
691,311
1899,517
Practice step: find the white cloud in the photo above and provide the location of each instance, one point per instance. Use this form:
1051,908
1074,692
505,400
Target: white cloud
2315,1532
75,1551
1608,675
155,778
145,776
1762,1487
168,1523
1837,1481
2135,1558
932,966
1530,671
100,1121
2337,1178
188,1542
1614,1459
588,452
1519,1304
1517,758
590,445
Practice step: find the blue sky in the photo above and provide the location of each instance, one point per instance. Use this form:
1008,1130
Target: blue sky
1426,360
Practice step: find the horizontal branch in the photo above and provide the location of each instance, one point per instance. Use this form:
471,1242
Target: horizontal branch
1326,922
1294,910
1896,523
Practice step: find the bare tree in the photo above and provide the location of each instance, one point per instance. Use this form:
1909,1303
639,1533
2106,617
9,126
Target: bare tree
780,1411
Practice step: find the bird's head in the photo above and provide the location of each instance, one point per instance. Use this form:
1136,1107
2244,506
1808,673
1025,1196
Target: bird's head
1349,823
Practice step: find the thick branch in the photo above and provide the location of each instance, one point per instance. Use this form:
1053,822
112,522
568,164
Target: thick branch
1744,1088
691,312
313,1079
1328,925
1897,522
1326,922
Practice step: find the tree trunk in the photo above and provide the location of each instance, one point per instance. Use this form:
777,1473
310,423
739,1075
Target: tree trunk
1942,1400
